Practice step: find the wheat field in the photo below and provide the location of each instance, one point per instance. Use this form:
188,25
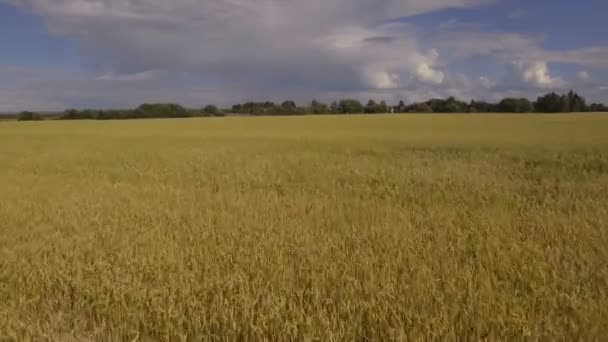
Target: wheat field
352,228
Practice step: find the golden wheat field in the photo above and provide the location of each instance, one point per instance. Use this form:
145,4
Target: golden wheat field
353,228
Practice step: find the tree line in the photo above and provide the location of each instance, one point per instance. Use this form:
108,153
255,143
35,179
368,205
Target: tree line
549,103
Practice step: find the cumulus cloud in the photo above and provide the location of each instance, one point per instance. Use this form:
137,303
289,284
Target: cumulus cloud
425,71
537,74
583,76
381,79
427,74
486,82
301,40
509,47
530,62
235,50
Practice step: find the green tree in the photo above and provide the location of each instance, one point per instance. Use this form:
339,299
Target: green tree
237,109
383,108
74,114
113,114
29,116
515,105
598,107
211,110
549,103
334,108
577,103
482,107
318,108
371,107
288,107
350,106
161,110
565,103
401,108
452,105
420,107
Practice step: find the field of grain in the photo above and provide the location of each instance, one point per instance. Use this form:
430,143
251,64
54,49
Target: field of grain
308,228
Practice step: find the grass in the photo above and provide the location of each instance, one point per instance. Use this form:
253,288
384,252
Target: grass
309,228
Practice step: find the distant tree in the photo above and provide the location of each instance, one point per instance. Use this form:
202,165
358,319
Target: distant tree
113,114
90,114
420,107
334,108
452,105
598,107
371,107
288,107
105,115
401,108
482,107
436,105
515,105
449,105
318,108
266,108
577,103
572,102
69,114
211,110
270,108
350,106
248,108
237,109
565,104
29,116
161,110
549,103
74,114
383,108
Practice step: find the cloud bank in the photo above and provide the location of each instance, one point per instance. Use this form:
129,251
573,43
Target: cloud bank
277,48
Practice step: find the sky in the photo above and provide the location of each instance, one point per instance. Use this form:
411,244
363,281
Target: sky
58,54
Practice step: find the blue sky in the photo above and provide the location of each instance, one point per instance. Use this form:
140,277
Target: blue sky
565,24
111,53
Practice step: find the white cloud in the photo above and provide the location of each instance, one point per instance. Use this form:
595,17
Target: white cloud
509,47
425,71
485,82
276,49
426,74
537,74
583,76
290,39
531,62
381,79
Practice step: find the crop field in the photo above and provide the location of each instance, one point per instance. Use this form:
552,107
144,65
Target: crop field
324,228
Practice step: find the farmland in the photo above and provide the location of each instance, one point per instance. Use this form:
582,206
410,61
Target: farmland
305,228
